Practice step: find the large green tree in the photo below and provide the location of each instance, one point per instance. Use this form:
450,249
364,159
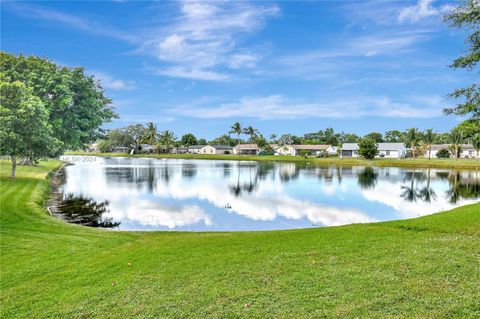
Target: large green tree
189,139
75,102
467,16
368,148
24,127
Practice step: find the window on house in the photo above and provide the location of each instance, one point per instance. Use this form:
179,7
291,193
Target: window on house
387,153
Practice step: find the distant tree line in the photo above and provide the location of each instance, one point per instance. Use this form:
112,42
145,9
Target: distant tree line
420,142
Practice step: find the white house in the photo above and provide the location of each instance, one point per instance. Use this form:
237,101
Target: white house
386,150
120,149
466,150
216,149
146,148
349,150
294,150
194,149
392,150
246,149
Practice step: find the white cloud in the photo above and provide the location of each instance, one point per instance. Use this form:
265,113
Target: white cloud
37,12
423,9
109,82
280,107
194,74
205,38
149,213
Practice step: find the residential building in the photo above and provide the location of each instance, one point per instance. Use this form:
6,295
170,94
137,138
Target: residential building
386,150
246,149
194,149
466,150
216,149
294,150
146,149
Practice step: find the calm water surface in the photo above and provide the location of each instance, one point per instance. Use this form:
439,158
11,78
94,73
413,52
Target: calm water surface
205,195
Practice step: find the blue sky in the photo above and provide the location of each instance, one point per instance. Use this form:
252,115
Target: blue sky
283,67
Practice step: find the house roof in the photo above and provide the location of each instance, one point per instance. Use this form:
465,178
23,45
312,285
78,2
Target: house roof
350,147
391,146
437,147
220,147
196,147
246,147
308,147
311,147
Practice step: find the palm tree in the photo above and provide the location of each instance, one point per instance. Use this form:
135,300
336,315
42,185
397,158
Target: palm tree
252,132
165,141
456,138
427,193
429,138
412,139
236,128
476,143
410,193
150,134
273,138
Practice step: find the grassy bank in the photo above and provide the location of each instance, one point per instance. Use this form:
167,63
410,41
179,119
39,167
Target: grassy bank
418,162
421,268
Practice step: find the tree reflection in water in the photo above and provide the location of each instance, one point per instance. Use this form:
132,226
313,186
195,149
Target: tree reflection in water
367,178
462,187
85,211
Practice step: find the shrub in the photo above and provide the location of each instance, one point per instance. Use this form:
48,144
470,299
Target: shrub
367,148
304,153
443,153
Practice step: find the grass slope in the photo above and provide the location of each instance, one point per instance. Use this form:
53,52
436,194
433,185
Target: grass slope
421,268
417,162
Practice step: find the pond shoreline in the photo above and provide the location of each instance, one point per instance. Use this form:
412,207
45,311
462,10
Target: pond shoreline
470,164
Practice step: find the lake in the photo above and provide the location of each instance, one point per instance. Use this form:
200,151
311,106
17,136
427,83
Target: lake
209,195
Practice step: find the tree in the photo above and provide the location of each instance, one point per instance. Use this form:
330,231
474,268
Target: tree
166,140
429,139
412,137
273,138
368,148
24,127
456,138
393,136
377,137
136,133
250,131
202,141
348,138
469,128
443,153
467,16
189,139
224,140
119,137
75,102
286,139
150,133
236,128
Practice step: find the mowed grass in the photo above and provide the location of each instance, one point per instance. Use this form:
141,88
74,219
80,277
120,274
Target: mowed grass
422,268
463,163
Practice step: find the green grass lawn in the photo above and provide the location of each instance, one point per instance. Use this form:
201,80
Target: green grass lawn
417,162
421,268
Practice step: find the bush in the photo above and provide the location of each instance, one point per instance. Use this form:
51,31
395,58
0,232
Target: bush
304,153
443,153
266,153
367,148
